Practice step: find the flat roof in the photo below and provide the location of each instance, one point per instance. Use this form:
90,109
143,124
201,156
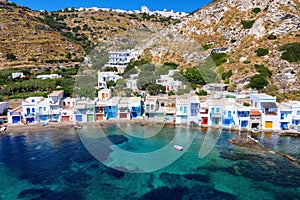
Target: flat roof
255,112
262,95
269,105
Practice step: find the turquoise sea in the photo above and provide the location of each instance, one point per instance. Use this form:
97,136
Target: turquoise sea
59,165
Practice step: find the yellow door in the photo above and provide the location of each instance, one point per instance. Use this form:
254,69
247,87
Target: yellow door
269,124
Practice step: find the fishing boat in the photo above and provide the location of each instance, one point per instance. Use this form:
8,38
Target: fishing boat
44,123
254,130
178,148
2,128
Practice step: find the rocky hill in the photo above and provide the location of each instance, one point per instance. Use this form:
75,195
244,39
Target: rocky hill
243,27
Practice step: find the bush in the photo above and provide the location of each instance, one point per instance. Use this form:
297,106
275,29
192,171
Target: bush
272,37
226,75
247,24
10,56
261,52
258,82
246,104
256,10
201,93
291,52
263,70
219,58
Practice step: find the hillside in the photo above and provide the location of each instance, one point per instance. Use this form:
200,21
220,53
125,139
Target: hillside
37,38
29,41
243,27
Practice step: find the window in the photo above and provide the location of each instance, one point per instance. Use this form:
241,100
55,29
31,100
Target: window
180,108
33,110
44,108
298,112
32,100
217,110
184,110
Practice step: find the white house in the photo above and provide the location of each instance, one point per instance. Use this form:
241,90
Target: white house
123,108
285,113
182,110
215,109
17,75
46,76
104,77
194,112
15,116
294,106
30,108
169,82
104,94
266,104
132,82
121,59
55,103
241,116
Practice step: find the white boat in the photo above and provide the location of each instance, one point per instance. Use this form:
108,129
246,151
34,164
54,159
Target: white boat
2,128
254,130
178,148
44,123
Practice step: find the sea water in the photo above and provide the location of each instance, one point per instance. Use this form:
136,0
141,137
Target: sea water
62,165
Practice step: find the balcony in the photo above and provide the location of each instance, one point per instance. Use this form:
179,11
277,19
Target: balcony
216,115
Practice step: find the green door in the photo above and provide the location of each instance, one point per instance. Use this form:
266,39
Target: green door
90,118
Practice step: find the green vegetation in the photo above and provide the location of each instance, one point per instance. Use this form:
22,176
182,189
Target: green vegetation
247,24
226,75
258,82
201,93
261,52
291,52
171,65
272,37
207,46
219,58
154,89
246,104
193,76
10,56
256,10
266,72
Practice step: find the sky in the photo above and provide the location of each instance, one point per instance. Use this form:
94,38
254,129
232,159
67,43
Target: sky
54,5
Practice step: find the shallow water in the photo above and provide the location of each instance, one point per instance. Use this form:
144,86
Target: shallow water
57,165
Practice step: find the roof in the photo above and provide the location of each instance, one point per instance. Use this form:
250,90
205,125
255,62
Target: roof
240,107
80,106
151,100
269,105
255,112
284,108
56,93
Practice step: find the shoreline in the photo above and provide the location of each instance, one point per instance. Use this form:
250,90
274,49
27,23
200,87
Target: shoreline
21,128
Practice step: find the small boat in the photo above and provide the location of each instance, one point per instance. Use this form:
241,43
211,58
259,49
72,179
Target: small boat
2,128
178,148
254,130
44,123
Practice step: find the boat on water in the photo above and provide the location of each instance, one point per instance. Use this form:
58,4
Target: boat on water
2,128
254,130
178,148
44,123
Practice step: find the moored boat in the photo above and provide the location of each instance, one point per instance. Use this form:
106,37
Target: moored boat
178,148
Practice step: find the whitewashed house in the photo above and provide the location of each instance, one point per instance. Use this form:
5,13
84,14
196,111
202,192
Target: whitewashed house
17,75
121,59
132,82
104,77
169,82
48,76
266,104
56,103
30,108
294,106
182,110
194,110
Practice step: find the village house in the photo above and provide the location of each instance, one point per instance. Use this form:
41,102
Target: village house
182,107
266,104
169,82
67,111
135,107
123,108
242,116
204,115
285,113
294,106
255,119
215,107
17,75
132,82
194,106
104,77
104,94
56,103
15,116
111,108
121,59
48,76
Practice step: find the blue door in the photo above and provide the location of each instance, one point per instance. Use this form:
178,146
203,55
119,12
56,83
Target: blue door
16,119
79,118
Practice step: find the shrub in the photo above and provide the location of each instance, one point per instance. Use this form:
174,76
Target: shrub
247,24
246,104
226,75
272,37
201,93
258,82
261,52
256,10
219,58
10,56
263,70
291,52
